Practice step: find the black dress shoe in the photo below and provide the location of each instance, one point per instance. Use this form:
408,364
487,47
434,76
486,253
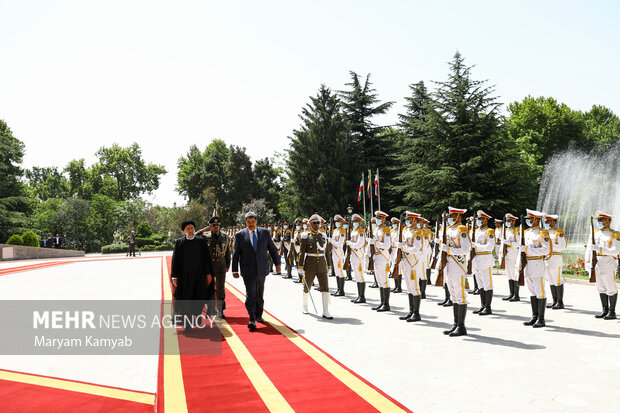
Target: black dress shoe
260,320
252,326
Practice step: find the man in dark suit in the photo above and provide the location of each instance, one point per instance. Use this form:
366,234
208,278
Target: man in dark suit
252,245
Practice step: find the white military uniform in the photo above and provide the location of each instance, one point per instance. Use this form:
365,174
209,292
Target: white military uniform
394,251
512,252
383,242
607,248
358,246
537,246
338,239
427,251
553,262
482,265
459,246
411,263
498,240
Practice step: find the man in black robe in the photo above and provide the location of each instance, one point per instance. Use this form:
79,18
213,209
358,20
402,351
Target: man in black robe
191,275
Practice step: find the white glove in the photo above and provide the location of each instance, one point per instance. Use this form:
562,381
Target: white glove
398,245
591,246
522,248
301,271
329,239
349,243
444,247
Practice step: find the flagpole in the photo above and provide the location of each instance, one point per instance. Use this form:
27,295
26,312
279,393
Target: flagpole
369,180
364,194
378,191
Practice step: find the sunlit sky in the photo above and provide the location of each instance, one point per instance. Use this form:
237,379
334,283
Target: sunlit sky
78,75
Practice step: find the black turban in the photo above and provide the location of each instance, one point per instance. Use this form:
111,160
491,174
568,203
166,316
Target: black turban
186,223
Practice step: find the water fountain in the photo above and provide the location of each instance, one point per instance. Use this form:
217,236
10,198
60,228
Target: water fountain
576,184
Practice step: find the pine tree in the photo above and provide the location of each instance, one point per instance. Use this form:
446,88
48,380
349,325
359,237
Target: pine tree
321,158
458,154
375,146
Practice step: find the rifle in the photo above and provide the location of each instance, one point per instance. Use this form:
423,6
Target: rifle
594,258
521,280
328,245
436,252
399,253
281,252
502,265
290,252
347,260
371,259
444,255
472,252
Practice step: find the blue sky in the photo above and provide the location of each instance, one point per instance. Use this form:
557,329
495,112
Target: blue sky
77,75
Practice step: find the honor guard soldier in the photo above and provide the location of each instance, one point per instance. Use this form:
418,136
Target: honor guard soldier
346,226
606,246
537,247
424,278
447,302
302,227
411,263
510,243
277,239
288,237
357,243
457,248
382,241
373,220
483,261
219,247
337,240
395,225
553,262
312,263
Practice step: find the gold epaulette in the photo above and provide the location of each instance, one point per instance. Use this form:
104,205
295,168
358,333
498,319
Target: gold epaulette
544,232
462,228
615,234
386,230
490,231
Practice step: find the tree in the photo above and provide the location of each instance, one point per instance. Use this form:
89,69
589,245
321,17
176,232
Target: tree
264,214
542,126
102,221
374,145
321,158
15,206
47,183
457,151
131,174
601,127
268,186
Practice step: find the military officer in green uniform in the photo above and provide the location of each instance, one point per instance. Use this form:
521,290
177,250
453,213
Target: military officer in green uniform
312,263
219,247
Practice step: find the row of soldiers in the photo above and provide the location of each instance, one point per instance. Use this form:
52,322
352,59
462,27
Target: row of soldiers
409,250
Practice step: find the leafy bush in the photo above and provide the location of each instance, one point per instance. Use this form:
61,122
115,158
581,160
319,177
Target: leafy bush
159,237
144,230
15,239
164,247
147,248
30,239
141,242
114,249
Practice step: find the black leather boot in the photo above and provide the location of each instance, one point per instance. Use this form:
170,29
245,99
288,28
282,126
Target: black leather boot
612,307
605,302
300,279
399,284
476,290
560,303
340,291
428,275
515,297
349,274
382,295
460,328
423,289
534,304
447,295
455,312
488,297
449,302
554,295
404,317
386,302
511,287
483,298
416,310
361,290
542,306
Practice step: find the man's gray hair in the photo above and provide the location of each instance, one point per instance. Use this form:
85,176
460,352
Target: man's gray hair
250,214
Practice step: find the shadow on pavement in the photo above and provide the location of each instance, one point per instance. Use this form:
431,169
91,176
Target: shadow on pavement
591,333
501,342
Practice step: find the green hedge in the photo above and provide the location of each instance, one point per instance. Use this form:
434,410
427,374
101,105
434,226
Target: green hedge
30,239
15,239
113,249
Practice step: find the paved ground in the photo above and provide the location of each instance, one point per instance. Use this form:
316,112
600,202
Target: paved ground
571,365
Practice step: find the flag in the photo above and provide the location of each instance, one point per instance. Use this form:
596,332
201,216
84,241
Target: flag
215,210
377,183
369,188
359,194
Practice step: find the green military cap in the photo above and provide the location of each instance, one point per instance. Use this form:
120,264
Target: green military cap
215,220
